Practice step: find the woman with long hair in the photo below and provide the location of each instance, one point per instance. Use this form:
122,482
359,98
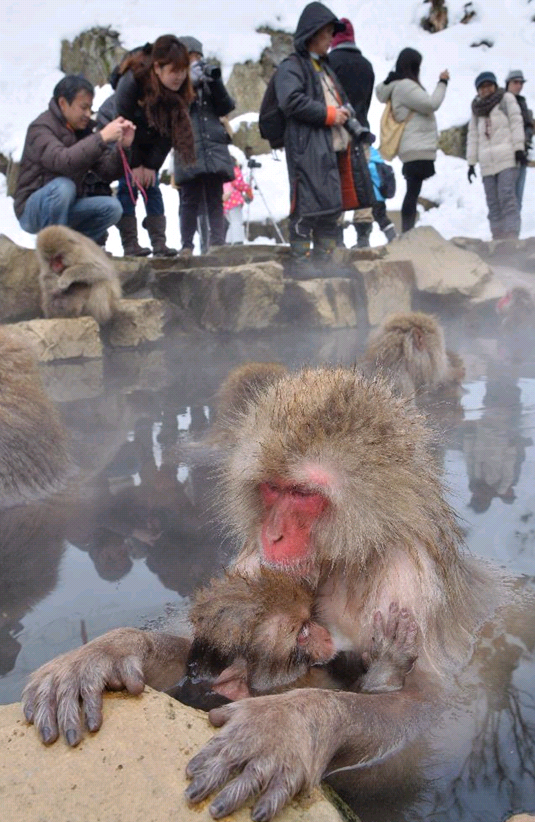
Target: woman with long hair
414,106
155,88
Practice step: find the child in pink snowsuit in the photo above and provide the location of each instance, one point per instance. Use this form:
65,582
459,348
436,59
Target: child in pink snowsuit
235,194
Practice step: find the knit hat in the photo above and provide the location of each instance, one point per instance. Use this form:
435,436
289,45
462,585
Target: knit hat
192,44
486,77
346,36
515,74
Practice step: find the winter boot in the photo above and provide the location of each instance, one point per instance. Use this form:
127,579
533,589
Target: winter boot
390,232
323,257
300,267
127,226
155,225
363,234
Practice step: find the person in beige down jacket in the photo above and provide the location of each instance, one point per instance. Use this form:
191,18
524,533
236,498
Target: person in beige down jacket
413,105
496,140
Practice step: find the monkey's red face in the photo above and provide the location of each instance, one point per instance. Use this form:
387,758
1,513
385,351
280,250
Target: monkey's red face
290,514
56,263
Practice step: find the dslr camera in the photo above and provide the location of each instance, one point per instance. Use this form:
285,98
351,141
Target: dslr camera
210,72
359,133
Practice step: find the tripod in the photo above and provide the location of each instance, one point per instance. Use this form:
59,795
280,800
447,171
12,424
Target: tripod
251,165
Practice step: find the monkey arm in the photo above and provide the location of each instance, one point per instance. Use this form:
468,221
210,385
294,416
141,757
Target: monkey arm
123,658
79,273
287,742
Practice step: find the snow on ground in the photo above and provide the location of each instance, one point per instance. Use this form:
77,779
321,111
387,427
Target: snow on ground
31,34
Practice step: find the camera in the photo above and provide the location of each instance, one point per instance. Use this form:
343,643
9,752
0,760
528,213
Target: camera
360,133
252,163
210,72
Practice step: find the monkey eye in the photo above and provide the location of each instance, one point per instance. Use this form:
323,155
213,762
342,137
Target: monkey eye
304,633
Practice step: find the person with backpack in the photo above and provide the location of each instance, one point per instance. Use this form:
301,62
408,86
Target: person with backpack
384,187
323,170
153,90
419,141
357,78
496,140
514,82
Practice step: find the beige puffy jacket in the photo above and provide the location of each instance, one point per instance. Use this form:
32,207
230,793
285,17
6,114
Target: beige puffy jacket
493,140
420,136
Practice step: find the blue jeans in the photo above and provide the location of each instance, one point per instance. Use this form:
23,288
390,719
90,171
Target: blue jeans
56,203
154,204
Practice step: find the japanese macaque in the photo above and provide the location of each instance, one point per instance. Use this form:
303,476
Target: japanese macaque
330,481
34,450
260,634
240,388
516,309
76,277
410,349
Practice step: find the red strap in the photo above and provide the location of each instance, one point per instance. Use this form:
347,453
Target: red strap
129,176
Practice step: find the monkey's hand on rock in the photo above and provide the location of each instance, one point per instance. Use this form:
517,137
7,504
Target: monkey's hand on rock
393,651
67,690
274,746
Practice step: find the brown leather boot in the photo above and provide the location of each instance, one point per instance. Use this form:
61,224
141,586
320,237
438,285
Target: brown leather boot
127,226
155,225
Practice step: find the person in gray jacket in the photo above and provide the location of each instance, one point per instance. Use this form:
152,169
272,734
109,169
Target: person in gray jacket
414,106
514,82
496,140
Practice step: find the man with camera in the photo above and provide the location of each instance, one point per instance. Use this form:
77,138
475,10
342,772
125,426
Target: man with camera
201,185
327,169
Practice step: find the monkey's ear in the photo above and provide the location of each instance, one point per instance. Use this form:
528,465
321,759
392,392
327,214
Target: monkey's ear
232,682
418,337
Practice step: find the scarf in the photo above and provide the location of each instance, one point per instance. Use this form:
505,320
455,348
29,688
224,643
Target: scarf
482,106
169,115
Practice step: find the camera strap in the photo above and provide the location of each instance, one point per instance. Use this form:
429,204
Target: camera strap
340,136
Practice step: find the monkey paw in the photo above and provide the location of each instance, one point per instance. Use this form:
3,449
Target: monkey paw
393,651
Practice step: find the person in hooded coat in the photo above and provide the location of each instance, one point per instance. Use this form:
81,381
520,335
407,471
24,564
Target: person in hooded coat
318,155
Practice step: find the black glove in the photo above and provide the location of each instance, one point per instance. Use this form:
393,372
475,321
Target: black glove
520,157
471,173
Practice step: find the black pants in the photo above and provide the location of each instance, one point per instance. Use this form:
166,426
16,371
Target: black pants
379,214
203,193
320,230
409,207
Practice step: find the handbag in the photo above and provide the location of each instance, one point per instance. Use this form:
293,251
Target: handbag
391,131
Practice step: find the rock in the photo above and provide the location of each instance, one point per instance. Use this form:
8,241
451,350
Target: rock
329,303
134,769
441,267
248,134
61,339
93,53
133,272
452,141
65,382
388,285
233,298
136,321
19,287
246,84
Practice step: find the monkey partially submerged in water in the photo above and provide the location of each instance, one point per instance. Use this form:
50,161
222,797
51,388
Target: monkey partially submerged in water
76,277
329,480
261,634
410,349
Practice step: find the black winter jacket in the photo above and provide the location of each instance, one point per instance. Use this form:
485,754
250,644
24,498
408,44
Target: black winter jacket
150,148
212,101
315,188
356,77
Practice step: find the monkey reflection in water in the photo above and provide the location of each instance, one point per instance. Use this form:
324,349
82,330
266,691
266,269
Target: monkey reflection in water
261,634
76,277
